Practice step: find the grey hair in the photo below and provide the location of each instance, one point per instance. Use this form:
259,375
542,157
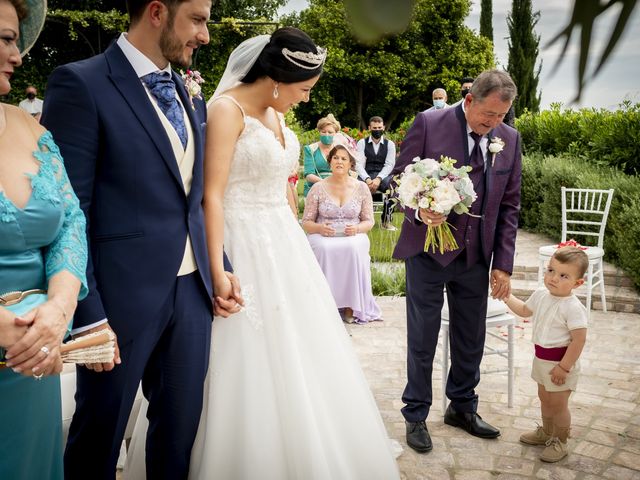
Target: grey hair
491,81
439,90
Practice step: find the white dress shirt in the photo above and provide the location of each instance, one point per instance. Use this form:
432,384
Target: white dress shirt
32,107
389,162
484,143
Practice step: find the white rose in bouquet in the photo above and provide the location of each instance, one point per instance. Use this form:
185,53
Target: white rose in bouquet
424,202
409,189
445,197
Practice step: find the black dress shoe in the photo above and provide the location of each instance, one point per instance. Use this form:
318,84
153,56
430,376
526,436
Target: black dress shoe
471,422
418,437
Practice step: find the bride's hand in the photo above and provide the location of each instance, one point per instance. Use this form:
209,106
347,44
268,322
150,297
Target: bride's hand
228,296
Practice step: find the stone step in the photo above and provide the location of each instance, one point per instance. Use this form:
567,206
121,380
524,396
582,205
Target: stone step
613,275
526,260
619,298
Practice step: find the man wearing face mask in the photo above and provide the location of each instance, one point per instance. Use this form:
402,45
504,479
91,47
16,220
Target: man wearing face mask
465,87
32,104
380,155
439,97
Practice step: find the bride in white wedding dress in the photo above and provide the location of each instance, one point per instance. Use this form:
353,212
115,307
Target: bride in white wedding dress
285,397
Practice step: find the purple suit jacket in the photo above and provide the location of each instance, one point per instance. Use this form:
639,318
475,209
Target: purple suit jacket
444,132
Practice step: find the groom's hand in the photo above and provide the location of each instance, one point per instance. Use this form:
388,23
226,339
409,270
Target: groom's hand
229,298
100,367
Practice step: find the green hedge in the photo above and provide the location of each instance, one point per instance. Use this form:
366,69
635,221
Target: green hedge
602,137
388,281
542,178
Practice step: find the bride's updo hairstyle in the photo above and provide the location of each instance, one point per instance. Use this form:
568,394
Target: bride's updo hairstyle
289,57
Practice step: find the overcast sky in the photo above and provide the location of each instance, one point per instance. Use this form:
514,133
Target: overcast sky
619,80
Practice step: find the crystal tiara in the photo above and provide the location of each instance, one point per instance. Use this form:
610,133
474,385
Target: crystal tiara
314,60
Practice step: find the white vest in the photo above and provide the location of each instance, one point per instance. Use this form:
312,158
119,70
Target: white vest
185,159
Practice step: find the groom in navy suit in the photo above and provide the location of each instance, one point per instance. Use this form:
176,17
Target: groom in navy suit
467,133
132,142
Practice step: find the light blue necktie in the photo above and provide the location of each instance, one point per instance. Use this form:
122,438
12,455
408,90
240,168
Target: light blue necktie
163,89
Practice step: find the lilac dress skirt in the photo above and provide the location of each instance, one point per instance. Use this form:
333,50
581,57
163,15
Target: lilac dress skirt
345,261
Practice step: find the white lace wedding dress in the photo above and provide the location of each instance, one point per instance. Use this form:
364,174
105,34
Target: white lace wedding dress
285,397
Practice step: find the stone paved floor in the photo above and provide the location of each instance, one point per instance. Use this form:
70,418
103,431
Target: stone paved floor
605,407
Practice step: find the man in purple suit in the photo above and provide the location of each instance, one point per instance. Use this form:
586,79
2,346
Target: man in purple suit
486,240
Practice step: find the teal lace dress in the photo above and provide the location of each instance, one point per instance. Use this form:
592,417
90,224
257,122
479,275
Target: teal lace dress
36,242
314,164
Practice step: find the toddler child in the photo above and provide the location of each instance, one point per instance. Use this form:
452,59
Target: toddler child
559,333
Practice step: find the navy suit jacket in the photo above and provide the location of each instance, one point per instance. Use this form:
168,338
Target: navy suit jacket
121,165
444,132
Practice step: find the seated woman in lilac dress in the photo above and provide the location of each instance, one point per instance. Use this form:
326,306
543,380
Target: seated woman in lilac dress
337,216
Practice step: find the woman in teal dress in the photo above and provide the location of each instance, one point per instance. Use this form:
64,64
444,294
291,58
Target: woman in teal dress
43,257
316,166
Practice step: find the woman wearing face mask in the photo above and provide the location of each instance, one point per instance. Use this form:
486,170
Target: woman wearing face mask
315,155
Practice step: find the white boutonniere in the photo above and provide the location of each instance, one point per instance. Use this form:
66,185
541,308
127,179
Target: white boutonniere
192,81
495,147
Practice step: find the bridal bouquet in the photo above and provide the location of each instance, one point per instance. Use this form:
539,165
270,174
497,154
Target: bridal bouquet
441,188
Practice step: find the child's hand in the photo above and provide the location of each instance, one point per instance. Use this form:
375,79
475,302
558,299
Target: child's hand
558,375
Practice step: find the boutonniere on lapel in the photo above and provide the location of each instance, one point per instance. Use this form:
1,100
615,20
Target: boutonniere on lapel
192,81
495,147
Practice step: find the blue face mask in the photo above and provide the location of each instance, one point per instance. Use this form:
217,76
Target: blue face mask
326,139
438,104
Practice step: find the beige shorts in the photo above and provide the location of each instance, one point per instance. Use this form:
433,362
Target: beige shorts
540,373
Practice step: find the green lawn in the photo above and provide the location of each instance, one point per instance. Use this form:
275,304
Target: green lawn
383,241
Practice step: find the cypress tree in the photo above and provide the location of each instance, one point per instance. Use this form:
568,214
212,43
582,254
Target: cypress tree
486,17
523,54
